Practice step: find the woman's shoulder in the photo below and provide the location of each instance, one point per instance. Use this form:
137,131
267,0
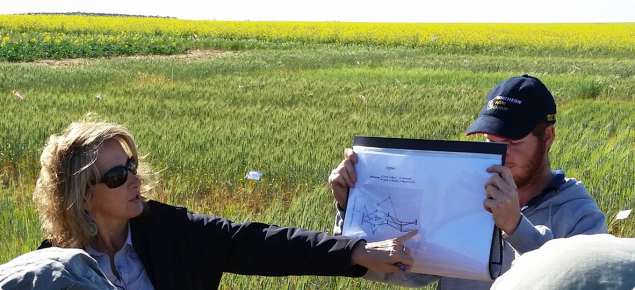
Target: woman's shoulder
158,212
178,217
153,206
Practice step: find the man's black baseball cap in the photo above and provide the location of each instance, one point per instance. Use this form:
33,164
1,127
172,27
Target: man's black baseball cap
514,108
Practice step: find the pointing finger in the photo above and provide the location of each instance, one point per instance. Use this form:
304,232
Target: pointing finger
407,236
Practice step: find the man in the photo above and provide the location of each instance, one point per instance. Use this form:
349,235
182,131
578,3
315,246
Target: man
529,202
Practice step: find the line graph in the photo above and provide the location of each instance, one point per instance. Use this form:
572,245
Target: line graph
378,218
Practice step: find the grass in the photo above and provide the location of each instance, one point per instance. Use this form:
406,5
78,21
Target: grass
289,111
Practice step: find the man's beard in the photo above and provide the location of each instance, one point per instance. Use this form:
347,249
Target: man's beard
533,167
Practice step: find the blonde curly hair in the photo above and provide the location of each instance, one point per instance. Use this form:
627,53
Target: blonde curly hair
68,171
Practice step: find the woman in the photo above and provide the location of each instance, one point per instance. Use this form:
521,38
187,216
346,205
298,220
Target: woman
89,196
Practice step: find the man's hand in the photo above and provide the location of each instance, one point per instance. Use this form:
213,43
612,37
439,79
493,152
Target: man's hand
383,256
343,177
502,199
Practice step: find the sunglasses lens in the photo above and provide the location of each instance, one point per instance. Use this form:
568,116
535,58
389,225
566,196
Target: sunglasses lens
115,177
132,166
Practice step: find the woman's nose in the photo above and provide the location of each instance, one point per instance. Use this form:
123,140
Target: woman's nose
135,180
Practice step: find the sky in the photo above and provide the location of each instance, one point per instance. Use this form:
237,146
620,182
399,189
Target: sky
439,11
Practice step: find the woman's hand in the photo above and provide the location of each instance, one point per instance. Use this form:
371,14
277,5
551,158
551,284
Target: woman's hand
384,256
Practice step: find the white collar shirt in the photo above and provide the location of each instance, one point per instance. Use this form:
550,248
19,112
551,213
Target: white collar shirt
132,274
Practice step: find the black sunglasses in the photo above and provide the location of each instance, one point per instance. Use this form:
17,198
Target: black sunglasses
117,176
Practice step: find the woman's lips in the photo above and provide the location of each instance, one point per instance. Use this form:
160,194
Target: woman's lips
136,198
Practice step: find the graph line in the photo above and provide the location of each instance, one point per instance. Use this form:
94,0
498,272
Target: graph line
378,218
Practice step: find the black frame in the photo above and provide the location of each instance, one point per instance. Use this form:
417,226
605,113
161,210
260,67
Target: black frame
433,145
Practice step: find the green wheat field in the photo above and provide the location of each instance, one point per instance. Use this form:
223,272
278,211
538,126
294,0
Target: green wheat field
208,109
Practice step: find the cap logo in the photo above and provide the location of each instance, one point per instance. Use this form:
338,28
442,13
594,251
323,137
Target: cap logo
500,102
551,117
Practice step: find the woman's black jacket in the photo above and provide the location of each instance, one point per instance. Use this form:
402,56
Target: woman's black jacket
183,250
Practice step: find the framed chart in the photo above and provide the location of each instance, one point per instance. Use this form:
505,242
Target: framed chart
436,187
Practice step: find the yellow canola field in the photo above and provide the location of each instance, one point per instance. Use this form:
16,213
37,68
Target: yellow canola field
614,36
83,39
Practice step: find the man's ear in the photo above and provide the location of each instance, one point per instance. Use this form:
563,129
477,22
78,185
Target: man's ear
550,135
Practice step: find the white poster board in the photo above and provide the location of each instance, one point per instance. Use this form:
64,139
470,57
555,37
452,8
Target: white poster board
436,187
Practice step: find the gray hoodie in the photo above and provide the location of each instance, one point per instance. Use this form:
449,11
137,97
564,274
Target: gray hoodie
564,209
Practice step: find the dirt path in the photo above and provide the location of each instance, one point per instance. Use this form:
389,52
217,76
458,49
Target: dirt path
195,54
